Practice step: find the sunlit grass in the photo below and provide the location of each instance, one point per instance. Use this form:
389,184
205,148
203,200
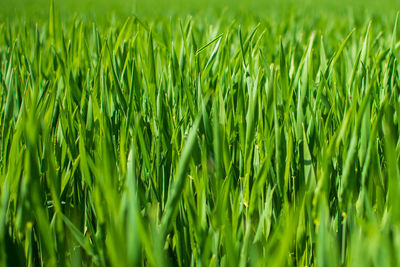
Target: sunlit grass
191,140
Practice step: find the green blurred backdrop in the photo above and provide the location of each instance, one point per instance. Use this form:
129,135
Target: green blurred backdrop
100,8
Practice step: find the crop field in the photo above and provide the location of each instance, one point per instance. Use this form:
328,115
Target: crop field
197,133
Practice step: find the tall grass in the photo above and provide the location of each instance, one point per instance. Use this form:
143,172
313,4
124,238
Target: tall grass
224,140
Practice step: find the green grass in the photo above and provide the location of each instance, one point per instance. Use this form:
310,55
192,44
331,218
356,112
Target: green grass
145,135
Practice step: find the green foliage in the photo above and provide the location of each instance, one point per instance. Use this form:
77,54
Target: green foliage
220,138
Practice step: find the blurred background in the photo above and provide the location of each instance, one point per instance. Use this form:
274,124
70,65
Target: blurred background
96,8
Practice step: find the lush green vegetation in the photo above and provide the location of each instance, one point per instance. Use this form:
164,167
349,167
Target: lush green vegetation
199,136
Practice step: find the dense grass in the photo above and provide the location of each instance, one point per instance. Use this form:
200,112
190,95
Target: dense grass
215,137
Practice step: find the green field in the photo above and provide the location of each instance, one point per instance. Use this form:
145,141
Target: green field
197,133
